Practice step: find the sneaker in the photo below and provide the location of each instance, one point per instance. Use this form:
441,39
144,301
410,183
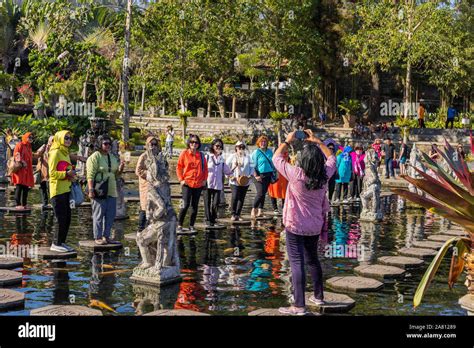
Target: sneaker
192,229
179,229
64,245
316,301
58,248
111,241
234,218
292,310
100,241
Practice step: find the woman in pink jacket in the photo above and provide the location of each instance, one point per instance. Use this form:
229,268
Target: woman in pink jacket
358,172
304,214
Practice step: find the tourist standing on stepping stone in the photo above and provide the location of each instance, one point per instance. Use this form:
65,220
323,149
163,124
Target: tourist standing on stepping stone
192,175
61,174
344,174
152,149
277,190
242,170
332,145
303,216
102,170
377,146
169,141
23,178
403,157
43,171
262,161
388,150
358,172
217,168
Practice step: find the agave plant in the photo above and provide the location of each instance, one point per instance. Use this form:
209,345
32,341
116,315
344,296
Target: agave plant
451,195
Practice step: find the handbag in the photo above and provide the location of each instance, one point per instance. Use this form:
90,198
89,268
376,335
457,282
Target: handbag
13,166
395,164
101,187
274,177
77,196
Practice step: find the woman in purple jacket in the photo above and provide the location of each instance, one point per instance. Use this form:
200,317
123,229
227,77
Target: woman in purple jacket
305,209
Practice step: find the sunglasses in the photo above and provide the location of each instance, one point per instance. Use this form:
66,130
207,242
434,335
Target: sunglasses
67,138
194,142
153,144
241,147
218,146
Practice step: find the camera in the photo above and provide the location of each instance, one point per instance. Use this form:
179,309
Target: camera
301,135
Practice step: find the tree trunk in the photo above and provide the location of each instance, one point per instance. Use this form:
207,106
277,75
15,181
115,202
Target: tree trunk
220,97
407,92
374,109
208,108
142,106
126,114
260,107
234,105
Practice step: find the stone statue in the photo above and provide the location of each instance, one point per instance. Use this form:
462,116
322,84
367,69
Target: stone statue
415,161
370,195
157,242
3,159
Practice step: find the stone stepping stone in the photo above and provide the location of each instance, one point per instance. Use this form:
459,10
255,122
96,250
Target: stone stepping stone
440,237
8,277
13,210
10,298
85,205
427,244
401,261
239,223
353,283
205,227
7,262
273,312
91,245
417,252
467,302
176,196
455,233
65,310
334,303
380,271
47,254
40,206
130,236
186,232
119,218
176,313
262,218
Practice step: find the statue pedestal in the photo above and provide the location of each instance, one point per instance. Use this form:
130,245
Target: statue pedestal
149,298
156,277
370,216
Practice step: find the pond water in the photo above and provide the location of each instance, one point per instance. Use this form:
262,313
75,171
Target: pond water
228,272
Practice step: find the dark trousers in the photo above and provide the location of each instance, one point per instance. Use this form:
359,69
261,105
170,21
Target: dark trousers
421,123
389,171
21,194
212,199
238,198
275,203
191,198
356,186
44,192
304,250
449,121
62,210
141,220
331,186
345,189
262,189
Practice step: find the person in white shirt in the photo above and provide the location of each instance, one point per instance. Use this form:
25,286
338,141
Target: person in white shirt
169,141
242,169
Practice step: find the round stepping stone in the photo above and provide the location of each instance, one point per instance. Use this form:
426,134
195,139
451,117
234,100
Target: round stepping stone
10,298
206,227
90,244
380,271
176,196
401,261
10,262
333,303
353,283
125,217
427,244
455,233
47,254
417,252
130,236
273,312
85,205
9,277
186,232
65,310
440,237
132,199
13,210
176,313
262,218
239,223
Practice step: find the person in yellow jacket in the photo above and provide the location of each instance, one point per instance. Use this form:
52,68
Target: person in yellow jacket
61,174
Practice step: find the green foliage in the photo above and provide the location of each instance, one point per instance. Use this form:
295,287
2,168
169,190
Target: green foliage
350,106
7,81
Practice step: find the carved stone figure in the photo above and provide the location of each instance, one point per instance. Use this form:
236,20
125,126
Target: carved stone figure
3,159
370,195
415,161
157,242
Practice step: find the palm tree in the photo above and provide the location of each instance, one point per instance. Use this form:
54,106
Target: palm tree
10,14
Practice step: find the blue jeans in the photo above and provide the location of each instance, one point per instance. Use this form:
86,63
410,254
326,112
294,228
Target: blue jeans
169,149
103,216
301,250
389,167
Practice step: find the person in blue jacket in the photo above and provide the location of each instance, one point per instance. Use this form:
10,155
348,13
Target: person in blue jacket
344,174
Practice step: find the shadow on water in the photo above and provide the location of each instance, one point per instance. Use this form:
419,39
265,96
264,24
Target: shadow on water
228,272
